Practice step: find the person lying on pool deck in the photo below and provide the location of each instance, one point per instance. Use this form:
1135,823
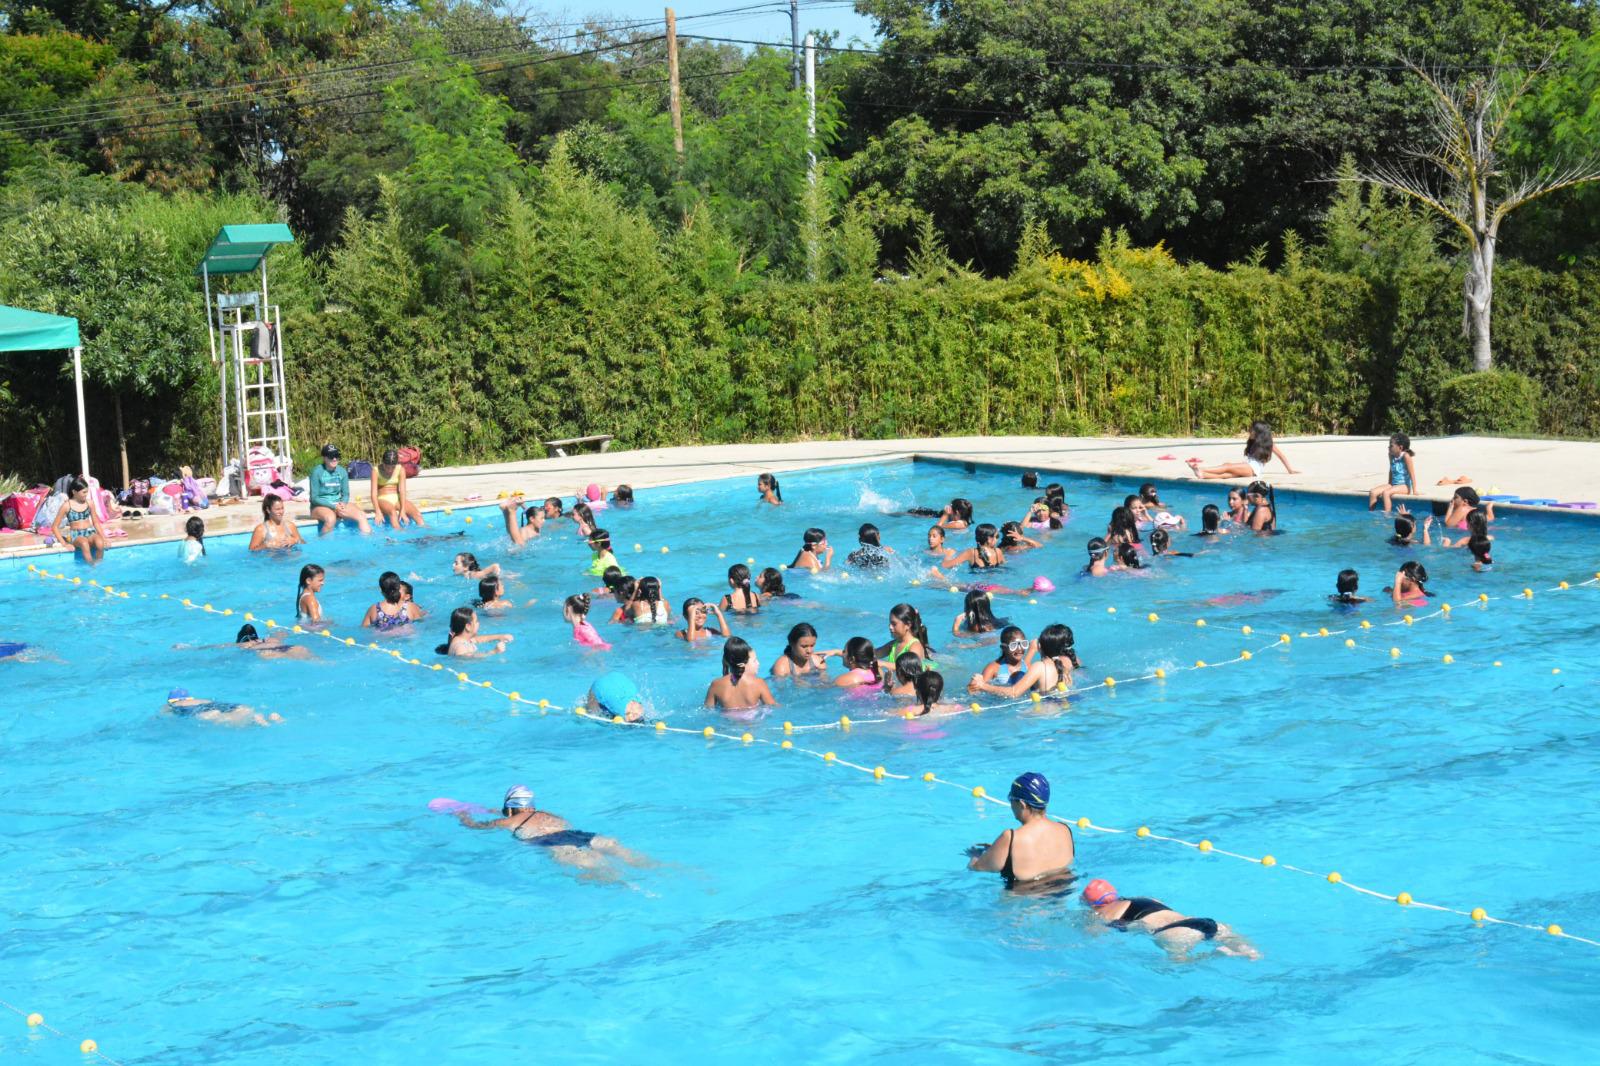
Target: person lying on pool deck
1173,931
1037,855
586,851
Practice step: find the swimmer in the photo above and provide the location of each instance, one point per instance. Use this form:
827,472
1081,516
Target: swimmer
1011,665
697,623
1173,931
392,612
1409,588
770,586
906,633
576,612
957,515
583,518
194,540
767,486
408,596
976,617
622,496
1128,558
1210,521
985,554
589,852
273,647
1141,515
275,532
1098,567
741,686
431,538
1056,650
872,555
492,595
600,545
1259,449
1056,497
815,552
465,638
936,547
614,694
466,565
1346,587
800,655
608,582
1036,856
649,604
1012,539
907,668
11,649
1478,541
594,495
1030,479
1039,516
1463,502
1263,507
1150,497
1238,508
1405,528
742,598
1402,474
1172,523
307,608
928,690
623,592
862,671
1161,544
1123,528
522,523
182,705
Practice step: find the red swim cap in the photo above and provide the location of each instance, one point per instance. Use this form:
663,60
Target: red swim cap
1098,893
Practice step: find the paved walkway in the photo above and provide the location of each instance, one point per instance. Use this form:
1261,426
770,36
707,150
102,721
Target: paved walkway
1563,470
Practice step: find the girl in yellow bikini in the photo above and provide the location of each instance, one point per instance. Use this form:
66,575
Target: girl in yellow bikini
389,492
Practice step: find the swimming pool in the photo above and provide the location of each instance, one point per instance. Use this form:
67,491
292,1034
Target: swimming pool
191,894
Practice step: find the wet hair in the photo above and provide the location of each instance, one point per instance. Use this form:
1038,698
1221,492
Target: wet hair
1007,635
1010,535
468,561
1148,493
688,605
904,612
584,514
247,635
625,589
460,618
1096,548
811,538
1261,488
1418,575
407,591
930,686
391,457
907,667
622,494
936,531
529,512
1054,491
1128,556
1404,527
1056,642
649,590
266,505
599,540
1478,544
488,590
77,485
1259,446
1210,518
1467,495
307,573
1404,443
578,604
735,657
1160,540
861,654
556,501
1347,583
196,528
979,614
961,508
1477,524
1129,500
771,581
1123,523
796,633
1030,479
771,482
739,578
610,576
389,585
868,534
985,537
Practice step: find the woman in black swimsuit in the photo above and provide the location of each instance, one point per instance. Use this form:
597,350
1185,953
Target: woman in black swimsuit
1172,930
573,847
1036,857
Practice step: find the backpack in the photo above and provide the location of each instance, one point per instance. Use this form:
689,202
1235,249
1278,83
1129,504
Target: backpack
411,458
137,494
359,468
17,510
45,517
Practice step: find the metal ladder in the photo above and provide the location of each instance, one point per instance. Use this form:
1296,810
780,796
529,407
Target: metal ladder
260,416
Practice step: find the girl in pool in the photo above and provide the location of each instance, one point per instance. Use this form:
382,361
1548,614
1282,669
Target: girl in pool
1039,516
306,606
1402,474
1477,540
928,690
800,654
1141,515
1056,497
524,523
1263,510
391,612
576,612
957,515
861,666
815,551
1098,567
906,633
194,540
624,592
985,554
492,595
1151,498
465,639
1011,665
1346,587
649,605
600,548
1013,540
275,533
740,687
767,486
872,555
1123,527
622,496
466,565
1410,585
1238,508
977,616
182,705
1210,521
903,680
1464,502
1161,545
1128,558
608,582
936,548
408,596
697,623
1258,452
1056,652
77,528
742,598
770,585
583,517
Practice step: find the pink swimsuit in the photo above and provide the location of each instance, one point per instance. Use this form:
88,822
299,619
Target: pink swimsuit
586,634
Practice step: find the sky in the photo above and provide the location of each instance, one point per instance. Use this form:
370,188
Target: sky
751,20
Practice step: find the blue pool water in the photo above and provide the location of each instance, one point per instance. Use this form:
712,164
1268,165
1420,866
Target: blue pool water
185,893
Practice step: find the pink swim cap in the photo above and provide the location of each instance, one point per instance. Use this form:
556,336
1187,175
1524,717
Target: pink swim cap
1043,584
593,492
1098,893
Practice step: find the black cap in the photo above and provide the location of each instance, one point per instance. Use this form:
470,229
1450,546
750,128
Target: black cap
330,451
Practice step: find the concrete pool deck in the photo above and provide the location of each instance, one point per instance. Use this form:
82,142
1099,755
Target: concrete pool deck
1567,471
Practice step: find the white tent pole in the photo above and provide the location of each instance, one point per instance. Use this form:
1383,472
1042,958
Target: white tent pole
83,422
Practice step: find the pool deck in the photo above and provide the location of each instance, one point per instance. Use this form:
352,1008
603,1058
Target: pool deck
1562,470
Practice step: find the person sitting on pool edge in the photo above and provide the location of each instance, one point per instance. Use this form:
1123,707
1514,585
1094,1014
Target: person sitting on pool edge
1038,854
572,847
330,494
1173,931
615,693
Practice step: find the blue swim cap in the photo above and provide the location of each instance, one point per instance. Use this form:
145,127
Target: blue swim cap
1032,790
518,798
177,694
614,691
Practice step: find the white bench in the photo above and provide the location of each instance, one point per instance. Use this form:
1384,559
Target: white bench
560,446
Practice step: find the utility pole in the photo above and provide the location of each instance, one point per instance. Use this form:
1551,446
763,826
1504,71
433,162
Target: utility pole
813,192
672,79
811,104
794,37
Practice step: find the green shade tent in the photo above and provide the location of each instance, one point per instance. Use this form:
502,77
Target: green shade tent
240,249
33,331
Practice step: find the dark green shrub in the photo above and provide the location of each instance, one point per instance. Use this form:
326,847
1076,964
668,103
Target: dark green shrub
1495,401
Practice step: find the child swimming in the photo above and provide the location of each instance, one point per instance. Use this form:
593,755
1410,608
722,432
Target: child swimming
906,633
600,545
697,624
871,555
741,686
861,666
466,565
194,540
977,616
815,551
1098,550
306,606
649,604
907,668
767,486
1161,544
1011,665
1345,589
576,612
1402,474
492,595
1210,521
742,598
770,585
800,654
1056,650
464,637
1409,588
